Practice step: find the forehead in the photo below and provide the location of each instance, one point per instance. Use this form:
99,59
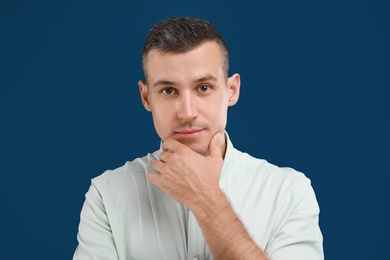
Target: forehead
206,59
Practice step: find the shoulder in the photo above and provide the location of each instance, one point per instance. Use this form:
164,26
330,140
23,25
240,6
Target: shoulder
132,173
258,175
261,167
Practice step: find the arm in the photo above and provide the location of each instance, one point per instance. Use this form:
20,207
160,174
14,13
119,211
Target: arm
299,237
193,180
94,236
224,232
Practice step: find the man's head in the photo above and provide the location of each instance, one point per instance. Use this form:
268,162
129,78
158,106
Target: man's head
187,88
180,35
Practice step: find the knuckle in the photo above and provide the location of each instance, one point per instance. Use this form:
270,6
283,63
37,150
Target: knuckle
173,158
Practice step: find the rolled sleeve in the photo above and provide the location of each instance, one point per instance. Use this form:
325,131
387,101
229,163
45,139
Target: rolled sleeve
95,236
299,237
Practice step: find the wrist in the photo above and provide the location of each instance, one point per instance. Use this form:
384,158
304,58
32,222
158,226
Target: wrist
210,205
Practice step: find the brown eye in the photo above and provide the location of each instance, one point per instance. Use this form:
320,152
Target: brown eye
168,91
204,88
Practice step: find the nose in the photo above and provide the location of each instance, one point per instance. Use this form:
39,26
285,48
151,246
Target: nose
186,107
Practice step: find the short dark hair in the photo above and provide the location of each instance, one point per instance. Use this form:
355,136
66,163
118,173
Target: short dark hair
181,35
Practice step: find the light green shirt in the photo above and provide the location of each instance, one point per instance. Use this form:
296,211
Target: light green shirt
125,217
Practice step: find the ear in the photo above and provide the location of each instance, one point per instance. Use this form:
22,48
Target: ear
144,92
234,83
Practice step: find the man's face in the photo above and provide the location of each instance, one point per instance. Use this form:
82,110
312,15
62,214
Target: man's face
189,94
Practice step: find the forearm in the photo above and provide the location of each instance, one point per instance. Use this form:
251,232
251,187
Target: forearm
224,232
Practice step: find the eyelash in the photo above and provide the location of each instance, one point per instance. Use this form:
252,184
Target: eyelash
174,91
201,86
164,91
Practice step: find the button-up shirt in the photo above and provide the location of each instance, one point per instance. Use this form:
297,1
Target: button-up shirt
125,217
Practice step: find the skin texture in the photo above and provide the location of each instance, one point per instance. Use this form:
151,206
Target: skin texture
199,94
188,95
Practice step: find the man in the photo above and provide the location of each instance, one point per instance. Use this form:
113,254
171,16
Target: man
197,197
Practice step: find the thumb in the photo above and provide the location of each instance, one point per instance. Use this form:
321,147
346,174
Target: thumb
217,145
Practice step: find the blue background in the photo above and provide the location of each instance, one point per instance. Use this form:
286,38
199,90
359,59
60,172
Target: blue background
314,96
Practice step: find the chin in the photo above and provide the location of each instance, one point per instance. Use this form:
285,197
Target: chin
204,152
201,149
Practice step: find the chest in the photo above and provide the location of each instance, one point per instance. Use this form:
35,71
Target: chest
153,226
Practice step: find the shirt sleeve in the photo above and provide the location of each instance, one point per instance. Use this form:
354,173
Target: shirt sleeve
95,236
299,238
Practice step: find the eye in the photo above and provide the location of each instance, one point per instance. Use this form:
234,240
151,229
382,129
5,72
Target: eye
168,91
204,88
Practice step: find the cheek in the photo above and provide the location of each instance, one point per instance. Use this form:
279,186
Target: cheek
220,116
162,120
158,120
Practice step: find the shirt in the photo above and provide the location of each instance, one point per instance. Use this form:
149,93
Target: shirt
125,217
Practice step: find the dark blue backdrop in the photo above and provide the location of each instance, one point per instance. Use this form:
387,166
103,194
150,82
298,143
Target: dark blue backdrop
315,90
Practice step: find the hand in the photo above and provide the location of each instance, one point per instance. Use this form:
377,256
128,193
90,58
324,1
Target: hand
187,176
193,180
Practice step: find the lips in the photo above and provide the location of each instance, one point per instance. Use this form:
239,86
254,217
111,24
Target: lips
188,133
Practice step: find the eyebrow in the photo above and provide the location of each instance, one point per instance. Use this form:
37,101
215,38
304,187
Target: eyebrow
206,78
171,83
164,82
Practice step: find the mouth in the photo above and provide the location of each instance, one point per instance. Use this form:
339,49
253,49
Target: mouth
188,133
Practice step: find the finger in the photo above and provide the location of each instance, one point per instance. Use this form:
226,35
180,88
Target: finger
152,178
164,156
170,144
158,165
216,145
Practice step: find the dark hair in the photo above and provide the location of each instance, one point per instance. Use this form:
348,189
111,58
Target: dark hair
181,35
